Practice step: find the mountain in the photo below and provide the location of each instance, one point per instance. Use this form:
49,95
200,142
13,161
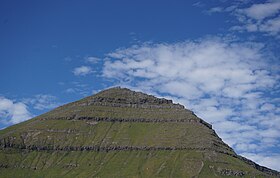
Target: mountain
120,133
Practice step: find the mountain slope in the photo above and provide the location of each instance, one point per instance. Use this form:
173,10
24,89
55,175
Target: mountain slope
120,133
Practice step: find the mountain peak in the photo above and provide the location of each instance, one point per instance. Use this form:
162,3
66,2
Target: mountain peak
125,97
120,133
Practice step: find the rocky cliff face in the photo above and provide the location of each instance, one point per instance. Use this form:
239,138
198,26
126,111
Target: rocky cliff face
120,133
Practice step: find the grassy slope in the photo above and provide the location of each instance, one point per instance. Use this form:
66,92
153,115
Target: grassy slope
86,133
118,164
187,163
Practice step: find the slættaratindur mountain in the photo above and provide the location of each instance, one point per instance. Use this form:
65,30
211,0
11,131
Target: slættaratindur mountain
120,133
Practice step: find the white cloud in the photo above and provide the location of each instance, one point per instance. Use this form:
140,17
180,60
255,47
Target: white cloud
253,17
262,17
271,26
79,88
215,10
262,11
226,83
42,101
13,112
92,59
82,70
271,161
198,4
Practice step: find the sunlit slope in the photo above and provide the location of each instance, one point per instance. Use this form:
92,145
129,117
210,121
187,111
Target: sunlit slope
120,133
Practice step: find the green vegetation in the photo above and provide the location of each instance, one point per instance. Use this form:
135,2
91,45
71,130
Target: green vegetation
119,164
62,133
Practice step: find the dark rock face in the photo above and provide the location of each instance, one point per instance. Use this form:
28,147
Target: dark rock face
141,101
5,144
107,119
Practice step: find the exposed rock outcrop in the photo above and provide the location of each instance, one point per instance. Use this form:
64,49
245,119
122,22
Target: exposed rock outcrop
108,119
230,172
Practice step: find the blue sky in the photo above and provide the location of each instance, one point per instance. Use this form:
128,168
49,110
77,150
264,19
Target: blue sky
219,58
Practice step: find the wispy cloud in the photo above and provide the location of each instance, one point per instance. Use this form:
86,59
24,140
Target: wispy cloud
92,59
226,83
13,112
198,4
263,17
42,102
215,10
82,70
253,17
79,88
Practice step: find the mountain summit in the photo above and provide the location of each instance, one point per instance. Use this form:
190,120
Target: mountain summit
120,133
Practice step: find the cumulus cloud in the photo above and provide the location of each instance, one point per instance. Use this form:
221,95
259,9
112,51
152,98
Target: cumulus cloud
226,83
262,10
13,112
82,70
